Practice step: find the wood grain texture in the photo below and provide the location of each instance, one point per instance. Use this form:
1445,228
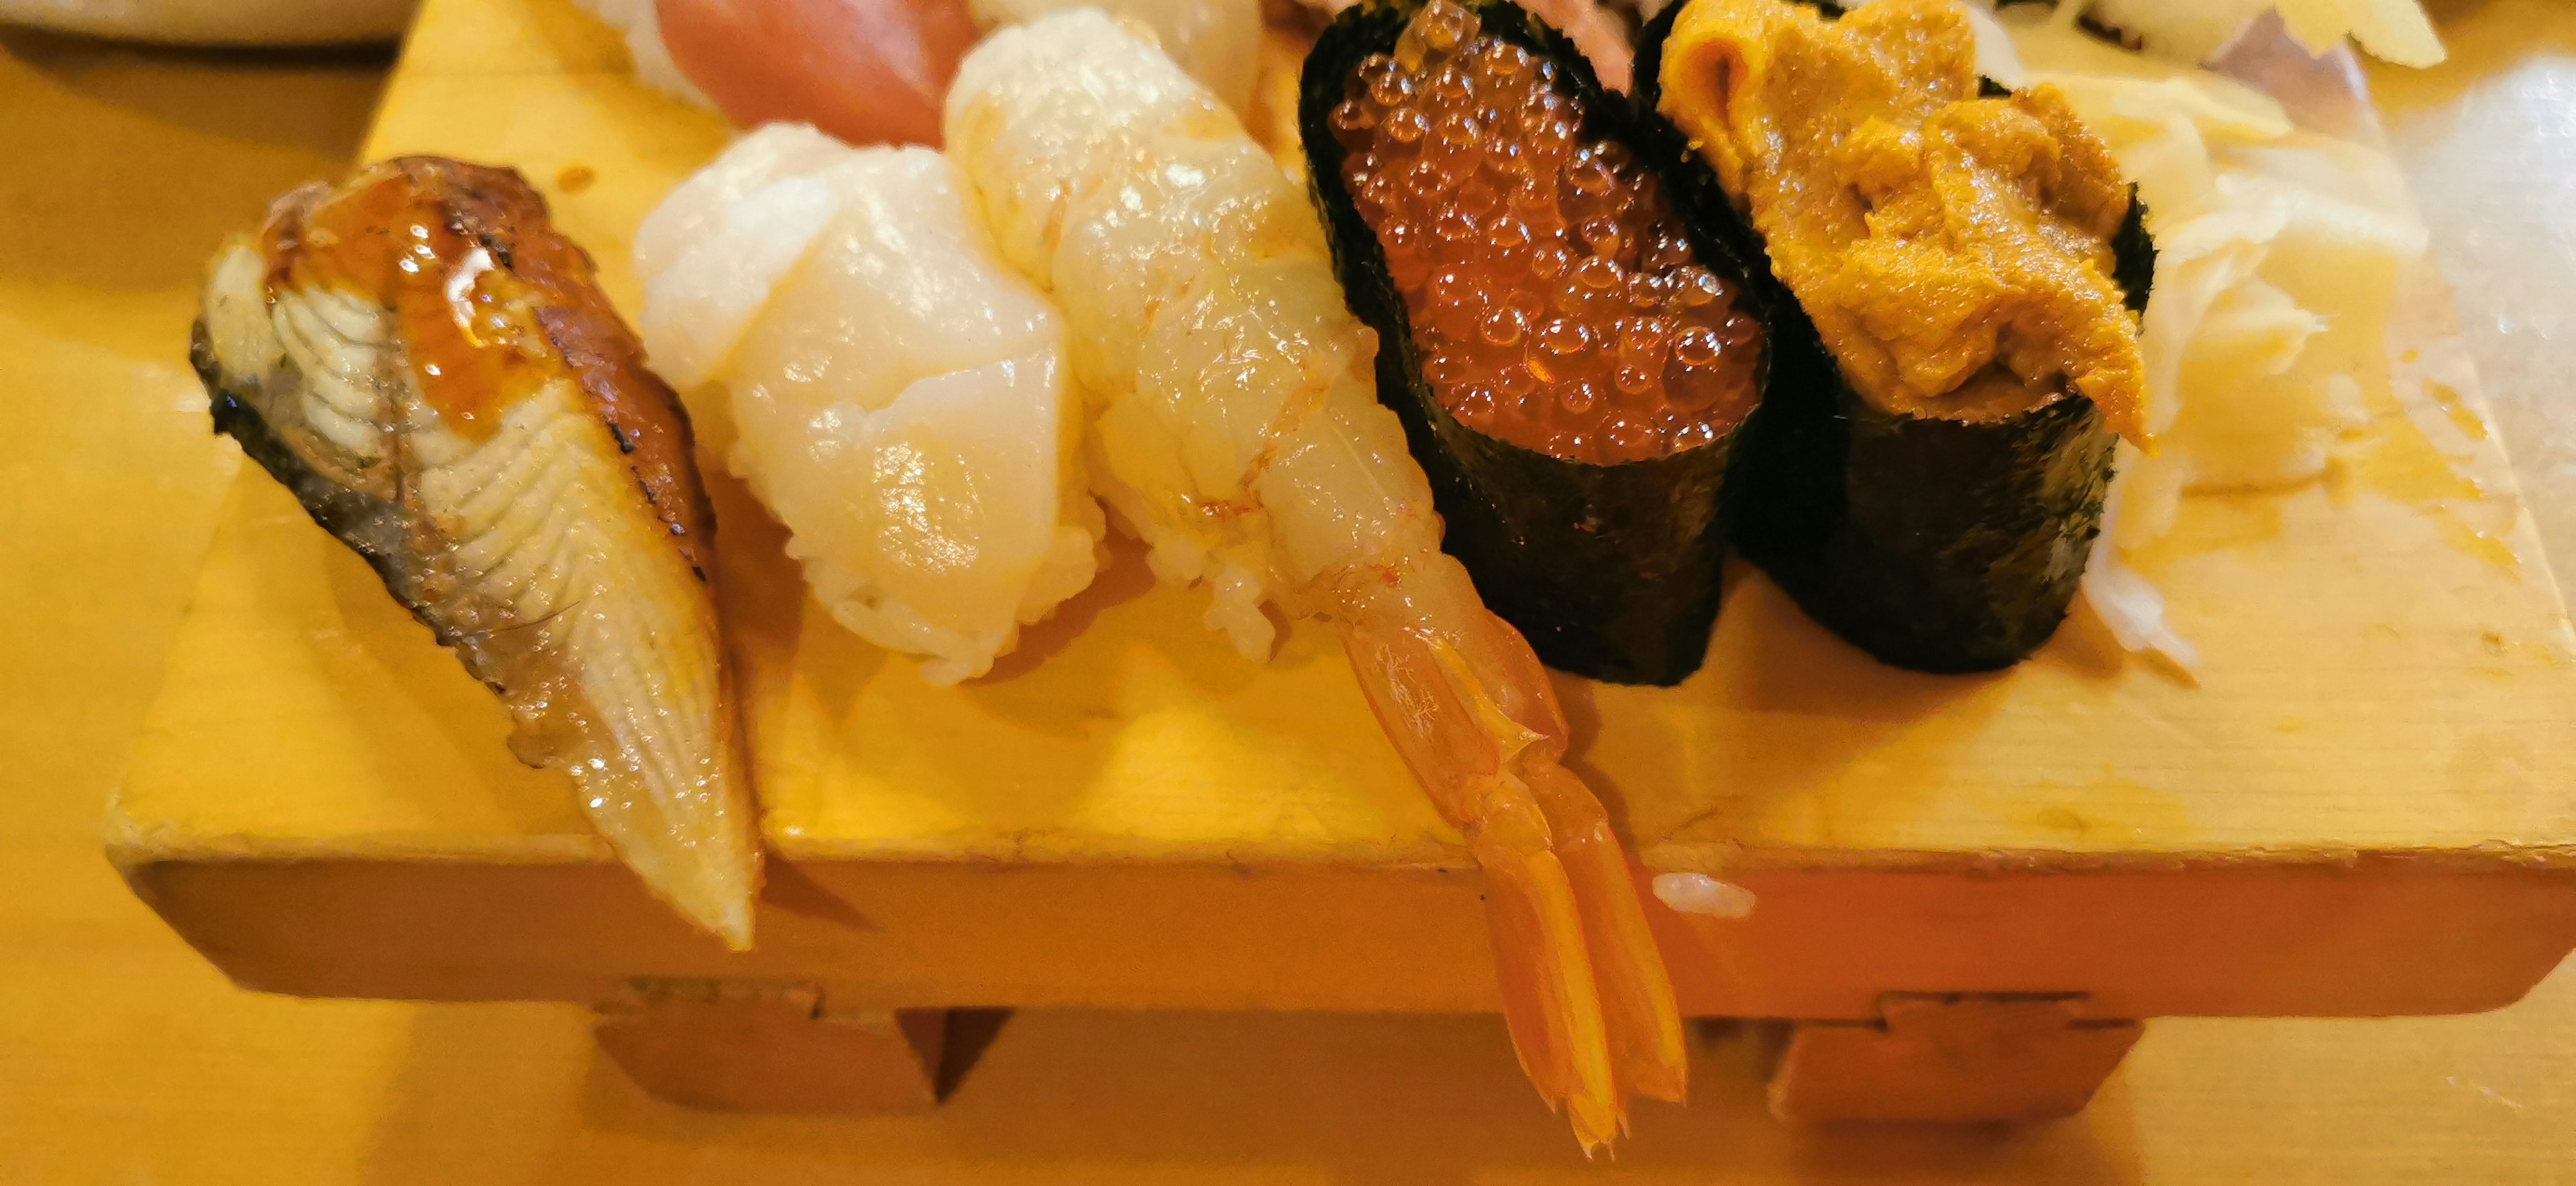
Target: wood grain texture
2389,704
128,1059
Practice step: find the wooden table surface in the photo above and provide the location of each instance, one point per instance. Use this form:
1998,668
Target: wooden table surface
125,1058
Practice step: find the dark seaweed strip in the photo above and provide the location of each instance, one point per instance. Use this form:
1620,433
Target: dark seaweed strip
2133,255
1727,242
1933,544
1610,571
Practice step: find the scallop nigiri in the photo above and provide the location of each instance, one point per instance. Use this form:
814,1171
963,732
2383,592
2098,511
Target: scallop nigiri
899,399
429,366
1237,427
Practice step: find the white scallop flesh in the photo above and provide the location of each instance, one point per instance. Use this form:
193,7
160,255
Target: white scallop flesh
898,398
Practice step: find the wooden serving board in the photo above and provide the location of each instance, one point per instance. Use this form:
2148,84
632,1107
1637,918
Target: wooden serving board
2364,807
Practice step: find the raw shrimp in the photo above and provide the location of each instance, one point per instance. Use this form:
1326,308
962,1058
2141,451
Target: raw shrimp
898,397
1217,41
1237,429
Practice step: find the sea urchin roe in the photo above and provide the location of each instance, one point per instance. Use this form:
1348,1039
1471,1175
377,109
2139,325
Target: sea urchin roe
468,326
1554,296
1953,248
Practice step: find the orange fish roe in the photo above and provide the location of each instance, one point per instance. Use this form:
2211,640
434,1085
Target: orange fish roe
1555,298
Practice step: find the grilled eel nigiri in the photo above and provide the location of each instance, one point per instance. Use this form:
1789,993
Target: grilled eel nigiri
426,362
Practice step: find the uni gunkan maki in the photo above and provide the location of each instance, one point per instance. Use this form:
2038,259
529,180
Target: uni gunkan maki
1956,351
1571,360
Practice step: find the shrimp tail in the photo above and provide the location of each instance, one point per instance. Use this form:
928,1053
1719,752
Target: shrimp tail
1585,993
1236,377
1643,1020
1551,997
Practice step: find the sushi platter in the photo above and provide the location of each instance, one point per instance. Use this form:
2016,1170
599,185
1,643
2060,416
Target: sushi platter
2353,797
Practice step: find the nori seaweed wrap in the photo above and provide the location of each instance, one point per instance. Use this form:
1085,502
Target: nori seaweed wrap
1577,439
1934,543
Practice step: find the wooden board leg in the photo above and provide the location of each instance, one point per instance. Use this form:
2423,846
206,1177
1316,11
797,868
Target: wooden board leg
1951,1058
771,1048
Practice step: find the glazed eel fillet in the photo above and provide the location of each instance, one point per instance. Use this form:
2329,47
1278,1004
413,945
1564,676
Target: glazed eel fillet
429,366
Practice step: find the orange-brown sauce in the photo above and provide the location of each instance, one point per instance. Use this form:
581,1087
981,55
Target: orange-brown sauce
1556,300
468,327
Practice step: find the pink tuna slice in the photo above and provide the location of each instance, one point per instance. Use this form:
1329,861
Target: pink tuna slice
866,71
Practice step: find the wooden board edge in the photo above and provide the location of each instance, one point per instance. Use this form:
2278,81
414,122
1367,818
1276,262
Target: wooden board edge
2391,938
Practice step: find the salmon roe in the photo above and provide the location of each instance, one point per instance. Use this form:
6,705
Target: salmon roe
1556,301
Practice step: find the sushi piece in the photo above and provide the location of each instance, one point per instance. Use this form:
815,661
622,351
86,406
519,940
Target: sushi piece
874,71
640,24
867,71
1237,429
1217,41
1604,36
1573,362
899,399
426,363
1958,347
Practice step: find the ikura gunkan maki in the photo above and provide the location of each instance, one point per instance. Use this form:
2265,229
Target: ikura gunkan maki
1957,350
1571,359
1552,293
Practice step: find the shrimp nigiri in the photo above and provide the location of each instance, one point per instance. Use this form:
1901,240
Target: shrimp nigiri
1237,429
1217,41
898,400
428,365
